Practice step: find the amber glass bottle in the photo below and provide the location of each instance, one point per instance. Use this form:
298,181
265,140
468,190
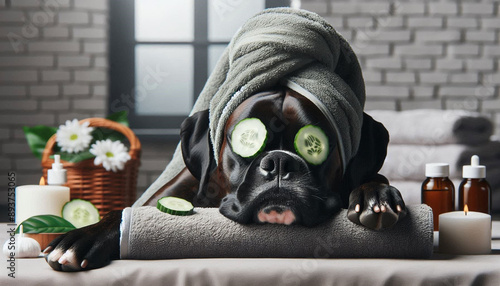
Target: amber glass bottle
474,191
438,191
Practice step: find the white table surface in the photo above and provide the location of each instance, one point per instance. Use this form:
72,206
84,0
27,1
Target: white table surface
441,269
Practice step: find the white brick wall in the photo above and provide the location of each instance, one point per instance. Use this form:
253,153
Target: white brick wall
423,54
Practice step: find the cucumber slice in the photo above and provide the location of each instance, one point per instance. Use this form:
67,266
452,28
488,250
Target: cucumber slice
311,143
174,206
249,137
80,213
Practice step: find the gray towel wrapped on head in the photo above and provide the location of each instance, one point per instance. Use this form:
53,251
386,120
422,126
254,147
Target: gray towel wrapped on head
148,233
296,45
291,47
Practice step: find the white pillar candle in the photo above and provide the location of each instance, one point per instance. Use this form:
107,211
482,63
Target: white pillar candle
465,233
34,200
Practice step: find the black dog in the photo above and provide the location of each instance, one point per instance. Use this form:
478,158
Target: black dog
277,185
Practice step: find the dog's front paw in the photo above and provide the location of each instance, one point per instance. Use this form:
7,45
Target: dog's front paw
86,248
376,206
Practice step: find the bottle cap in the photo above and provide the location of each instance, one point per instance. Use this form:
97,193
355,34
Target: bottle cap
437,170
474,170
56,175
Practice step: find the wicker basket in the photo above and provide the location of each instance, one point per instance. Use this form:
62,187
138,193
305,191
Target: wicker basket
107,190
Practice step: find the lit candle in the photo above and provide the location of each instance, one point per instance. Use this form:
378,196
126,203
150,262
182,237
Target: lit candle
465,232
34,200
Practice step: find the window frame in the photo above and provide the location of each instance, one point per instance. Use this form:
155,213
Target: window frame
122,45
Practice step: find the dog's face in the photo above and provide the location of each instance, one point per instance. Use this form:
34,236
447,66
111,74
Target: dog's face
278,185
277,182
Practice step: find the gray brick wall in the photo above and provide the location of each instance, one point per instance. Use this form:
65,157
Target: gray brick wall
414,54
442,54
53,67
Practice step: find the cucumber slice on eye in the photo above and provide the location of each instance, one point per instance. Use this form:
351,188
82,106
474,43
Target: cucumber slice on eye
80,213
249,137
174,206
311,143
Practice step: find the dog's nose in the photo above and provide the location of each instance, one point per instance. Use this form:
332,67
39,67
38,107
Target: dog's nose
279,164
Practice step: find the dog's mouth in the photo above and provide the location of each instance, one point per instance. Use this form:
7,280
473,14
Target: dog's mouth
278,205
285,206
276,214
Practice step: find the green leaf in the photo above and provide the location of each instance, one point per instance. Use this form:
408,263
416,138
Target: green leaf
37,138
104,133
45,224
120,117
78,157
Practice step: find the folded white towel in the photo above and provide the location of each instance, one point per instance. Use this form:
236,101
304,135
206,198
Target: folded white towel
434,127
407,162
412,191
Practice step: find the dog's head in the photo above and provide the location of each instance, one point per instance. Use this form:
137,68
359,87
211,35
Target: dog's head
278,183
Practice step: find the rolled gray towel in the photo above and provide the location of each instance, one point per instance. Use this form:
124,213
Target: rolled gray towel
148,233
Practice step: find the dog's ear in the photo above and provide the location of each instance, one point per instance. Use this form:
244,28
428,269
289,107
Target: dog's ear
364,166
197,149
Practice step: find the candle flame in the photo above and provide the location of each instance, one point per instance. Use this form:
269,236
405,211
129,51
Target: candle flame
466,209
42,181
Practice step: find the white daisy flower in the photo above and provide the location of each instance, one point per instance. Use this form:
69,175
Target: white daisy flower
74,137
111,154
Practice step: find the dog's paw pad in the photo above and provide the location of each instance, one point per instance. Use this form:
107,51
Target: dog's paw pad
376,206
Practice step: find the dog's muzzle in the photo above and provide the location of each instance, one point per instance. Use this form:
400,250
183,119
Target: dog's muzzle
276,189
